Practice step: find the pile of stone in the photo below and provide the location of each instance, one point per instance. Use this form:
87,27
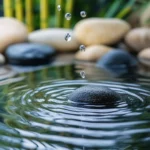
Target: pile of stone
100,36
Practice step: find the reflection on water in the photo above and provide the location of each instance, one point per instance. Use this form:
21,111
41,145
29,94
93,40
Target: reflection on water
35,112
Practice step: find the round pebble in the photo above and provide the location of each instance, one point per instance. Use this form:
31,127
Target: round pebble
92,94
92,31
138,39
144,56
2,59
118,62
29,54
92,53
55,37
11,31
117,58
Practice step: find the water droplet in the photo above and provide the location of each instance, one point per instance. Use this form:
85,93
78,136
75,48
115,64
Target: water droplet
82,48
59,8
68,37
82,74
68,16
83,14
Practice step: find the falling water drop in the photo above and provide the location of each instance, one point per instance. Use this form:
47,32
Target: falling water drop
82,48
68,37
82,74
68,16
59,8
83,14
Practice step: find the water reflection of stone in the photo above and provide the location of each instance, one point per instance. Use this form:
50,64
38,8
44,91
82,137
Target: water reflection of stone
92,73
144,70
46,73
6,72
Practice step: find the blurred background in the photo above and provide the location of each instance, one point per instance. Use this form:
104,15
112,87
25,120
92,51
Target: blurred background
124,9
44,14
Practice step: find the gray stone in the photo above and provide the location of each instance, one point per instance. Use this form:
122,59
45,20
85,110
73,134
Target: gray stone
29,54
92,94
118,62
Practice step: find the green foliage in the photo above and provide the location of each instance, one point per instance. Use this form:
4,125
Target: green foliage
94,8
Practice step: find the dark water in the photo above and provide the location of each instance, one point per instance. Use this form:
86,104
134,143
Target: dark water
35,112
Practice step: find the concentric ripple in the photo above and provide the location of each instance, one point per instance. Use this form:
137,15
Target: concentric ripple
43,117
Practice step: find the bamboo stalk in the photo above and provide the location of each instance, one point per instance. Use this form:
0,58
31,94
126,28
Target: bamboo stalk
124,12
68,9
31,78
29,14
8,9
58,13
44,13
19,9
44,73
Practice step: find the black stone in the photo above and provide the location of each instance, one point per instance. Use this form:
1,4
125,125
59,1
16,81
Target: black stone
29,54
118,62
96,95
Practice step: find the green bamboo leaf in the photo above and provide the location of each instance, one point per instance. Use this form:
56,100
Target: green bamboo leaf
104,8
127,8
114,8
124,12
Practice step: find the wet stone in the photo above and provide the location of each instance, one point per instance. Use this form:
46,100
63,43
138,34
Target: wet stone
117,58
144,57
91,53
29,54
94,95
118,62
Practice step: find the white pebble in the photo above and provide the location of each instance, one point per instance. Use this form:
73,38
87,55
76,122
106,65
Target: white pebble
2,59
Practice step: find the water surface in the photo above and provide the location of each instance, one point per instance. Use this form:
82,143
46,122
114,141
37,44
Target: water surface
35,112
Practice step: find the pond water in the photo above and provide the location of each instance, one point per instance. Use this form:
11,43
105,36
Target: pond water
35,112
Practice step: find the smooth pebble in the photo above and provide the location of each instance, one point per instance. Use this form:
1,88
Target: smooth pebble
29,54
55,37
11,31
93,31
